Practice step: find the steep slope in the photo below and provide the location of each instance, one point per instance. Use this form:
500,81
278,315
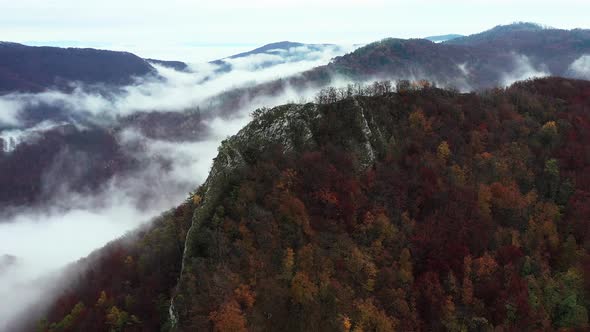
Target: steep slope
133,277
393,212
418,210
33,69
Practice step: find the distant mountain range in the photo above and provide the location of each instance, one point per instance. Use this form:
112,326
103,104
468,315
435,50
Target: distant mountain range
34,69
443,38
501,32
492,58
38,68
496,57
368,164
274,48
177,65
278,53
480,59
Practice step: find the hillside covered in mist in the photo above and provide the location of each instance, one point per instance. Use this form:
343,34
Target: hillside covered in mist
415,209
94,144
494,58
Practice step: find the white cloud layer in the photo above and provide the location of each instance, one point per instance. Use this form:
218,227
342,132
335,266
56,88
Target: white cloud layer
581,67
9,110
45,240
10,139
523,69
176,90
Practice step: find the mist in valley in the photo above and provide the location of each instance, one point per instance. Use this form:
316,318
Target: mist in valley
36,243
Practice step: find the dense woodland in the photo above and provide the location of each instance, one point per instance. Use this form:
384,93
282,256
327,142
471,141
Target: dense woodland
476,62
34,69
83,160
468,63
417,210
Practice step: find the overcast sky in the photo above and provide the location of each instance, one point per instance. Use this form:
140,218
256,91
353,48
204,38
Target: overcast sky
181,28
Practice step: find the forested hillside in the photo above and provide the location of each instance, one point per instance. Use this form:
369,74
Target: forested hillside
370,210
494,58
34,69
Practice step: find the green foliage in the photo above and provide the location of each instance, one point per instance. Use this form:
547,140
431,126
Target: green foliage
571,314
67,323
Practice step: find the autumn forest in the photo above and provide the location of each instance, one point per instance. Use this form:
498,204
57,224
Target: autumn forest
392,207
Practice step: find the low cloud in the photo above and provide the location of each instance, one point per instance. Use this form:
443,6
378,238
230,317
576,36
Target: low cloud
9,110
307,56
11,138
169,90
523,69
44,240
581,67
72,225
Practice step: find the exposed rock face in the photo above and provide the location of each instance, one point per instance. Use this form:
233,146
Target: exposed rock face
291,127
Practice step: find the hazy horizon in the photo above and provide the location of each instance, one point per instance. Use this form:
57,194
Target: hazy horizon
350,184
176,29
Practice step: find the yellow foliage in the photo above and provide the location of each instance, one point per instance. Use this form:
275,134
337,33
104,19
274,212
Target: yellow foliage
550,127
373,318
102,299
443,151
288,262
346,324
458,175
117,318
197,199
371,273
449,318
128,260
303,290
418,121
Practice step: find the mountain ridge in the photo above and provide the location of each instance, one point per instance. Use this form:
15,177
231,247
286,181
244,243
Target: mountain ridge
281,238
38,68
